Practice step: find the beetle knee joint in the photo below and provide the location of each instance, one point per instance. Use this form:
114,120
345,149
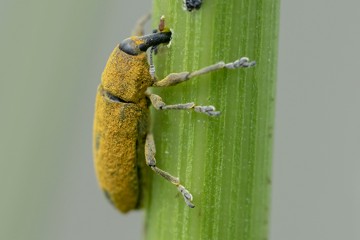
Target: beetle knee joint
150,161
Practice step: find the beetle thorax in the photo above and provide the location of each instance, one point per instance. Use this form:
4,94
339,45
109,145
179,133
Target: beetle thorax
126,77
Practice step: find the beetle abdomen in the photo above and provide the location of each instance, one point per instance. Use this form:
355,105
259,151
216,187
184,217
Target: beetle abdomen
118,128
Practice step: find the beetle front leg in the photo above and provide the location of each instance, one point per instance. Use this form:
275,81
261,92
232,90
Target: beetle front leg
158,104
150,151
176,78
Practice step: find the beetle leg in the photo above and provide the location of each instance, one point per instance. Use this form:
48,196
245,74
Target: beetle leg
176,78
139,27
150,151
158,104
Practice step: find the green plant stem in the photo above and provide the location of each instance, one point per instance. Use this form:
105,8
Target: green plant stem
225,161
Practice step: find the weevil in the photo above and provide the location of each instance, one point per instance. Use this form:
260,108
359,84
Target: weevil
122,141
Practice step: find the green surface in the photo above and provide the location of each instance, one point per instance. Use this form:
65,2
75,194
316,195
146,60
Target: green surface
225,162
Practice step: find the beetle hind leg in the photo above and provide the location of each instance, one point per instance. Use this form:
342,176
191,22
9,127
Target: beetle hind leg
150,151
139,27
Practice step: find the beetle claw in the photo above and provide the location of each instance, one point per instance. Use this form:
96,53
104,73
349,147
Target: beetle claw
187,196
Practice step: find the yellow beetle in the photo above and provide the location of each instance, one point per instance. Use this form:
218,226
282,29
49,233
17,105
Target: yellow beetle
122,142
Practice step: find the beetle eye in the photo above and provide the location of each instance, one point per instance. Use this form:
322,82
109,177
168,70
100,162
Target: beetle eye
128,46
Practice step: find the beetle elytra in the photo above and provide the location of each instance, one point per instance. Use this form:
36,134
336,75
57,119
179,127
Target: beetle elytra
122,141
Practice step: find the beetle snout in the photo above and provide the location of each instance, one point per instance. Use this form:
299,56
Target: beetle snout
136,45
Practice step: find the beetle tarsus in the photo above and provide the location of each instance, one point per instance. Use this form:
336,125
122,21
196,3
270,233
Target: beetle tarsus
186,195
243,62
209,110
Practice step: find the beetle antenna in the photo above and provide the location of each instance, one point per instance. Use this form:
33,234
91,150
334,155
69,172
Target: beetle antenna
152,66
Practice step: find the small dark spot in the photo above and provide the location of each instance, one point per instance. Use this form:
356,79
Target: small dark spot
148,102
97,141
156,49
108,197
192,4
123,111
268,180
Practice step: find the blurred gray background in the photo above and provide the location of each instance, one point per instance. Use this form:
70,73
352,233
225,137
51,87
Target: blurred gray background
51,56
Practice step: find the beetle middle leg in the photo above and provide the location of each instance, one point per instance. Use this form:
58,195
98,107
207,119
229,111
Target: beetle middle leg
158,104
150,151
